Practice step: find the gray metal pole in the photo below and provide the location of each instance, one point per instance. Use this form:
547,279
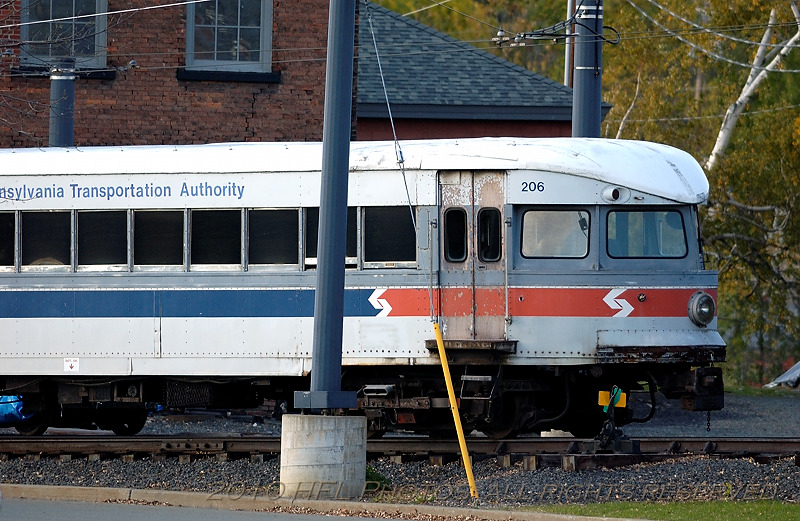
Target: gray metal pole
587,78
62,104
326,357
569,42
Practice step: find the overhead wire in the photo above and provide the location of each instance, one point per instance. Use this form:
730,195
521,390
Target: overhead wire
671,33
684,119
703,50
701,29
399,152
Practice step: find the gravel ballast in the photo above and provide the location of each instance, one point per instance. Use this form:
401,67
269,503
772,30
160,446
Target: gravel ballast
698,478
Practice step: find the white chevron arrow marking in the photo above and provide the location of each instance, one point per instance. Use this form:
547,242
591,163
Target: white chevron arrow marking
621,304
380,303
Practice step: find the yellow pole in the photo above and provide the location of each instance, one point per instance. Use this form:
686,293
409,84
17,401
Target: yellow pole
462,443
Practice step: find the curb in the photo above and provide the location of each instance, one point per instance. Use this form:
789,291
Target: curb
322,507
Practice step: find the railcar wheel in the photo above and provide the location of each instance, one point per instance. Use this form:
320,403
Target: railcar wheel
36,425
133,423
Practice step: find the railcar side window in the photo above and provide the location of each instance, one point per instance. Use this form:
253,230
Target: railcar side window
216,237
45,238
103,237
455,235
158,238
273,236
489,235
312,233
646,234
555,233
7,239
389,234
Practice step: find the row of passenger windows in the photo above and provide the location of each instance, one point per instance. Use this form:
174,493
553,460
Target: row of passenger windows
200,237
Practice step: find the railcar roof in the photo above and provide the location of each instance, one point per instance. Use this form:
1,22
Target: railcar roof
652,168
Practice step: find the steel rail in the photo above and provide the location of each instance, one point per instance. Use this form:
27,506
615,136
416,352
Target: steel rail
54,445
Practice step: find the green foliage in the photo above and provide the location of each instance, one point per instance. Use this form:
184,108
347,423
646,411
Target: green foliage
377,480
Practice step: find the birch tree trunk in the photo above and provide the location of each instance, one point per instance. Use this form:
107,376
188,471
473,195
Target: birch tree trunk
758,73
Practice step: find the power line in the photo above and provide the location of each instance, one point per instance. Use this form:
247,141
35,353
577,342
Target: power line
684,119
700,29
107,13
702,49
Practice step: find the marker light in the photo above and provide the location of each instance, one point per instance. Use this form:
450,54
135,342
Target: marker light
702,308
615,194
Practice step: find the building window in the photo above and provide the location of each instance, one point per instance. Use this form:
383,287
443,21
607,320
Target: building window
53,29
229,35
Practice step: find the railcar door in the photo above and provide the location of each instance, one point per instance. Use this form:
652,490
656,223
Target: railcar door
472,280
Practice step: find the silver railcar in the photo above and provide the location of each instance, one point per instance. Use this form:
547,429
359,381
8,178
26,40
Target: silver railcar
184,275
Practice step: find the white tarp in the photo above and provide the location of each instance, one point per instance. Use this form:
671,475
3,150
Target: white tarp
790,377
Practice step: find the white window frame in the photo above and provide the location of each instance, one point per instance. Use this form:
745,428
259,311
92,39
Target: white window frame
97,61
263,64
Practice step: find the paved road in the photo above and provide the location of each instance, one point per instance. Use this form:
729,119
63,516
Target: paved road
38,510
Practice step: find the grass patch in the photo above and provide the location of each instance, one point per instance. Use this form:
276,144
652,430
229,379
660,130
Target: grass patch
746,390
377,480
765,510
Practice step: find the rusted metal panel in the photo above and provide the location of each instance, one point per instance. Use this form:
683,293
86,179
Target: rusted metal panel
661,354
479,310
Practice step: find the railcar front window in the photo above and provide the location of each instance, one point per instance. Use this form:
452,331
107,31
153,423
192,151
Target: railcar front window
555,234
7,239
455,235
102,238
389,235
489,235
273,236
158,238
216,237
45,238
646,234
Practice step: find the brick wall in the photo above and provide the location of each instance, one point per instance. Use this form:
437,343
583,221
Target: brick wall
149,105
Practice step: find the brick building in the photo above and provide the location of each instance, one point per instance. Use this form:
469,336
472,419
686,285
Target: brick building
249,70
260,78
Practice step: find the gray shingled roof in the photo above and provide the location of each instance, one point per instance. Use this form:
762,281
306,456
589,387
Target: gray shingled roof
429,74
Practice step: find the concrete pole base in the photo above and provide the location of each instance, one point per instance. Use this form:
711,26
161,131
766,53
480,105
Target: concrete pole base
323,457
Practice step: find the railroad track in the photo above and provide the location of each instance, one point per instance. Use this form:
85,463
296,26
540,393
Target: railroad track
569,453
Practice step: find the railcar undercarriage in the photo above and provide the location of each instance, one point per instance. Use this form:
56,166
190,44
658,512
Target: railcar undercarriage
498,400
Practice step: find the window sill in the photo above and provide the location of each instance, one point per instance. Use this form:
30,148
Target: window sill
84,74
228,76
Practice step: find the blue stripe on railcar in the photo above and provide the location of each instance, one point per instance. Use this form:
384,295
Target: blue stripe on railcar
173,303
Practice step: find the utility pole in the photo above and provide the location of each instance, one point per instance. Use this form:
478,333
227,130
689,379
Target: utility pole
62,104
587,79
326,357
326,448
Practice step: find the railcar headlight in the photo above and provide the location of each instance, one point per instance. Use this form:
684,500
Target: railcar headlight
702,308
